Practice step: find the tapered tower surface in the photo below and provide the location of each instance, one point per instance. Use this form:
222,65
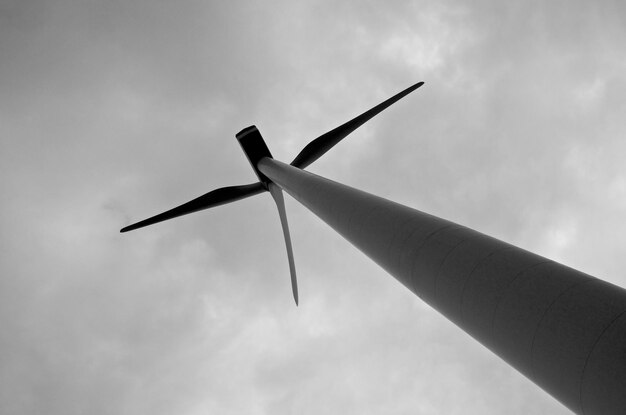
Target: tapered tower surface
563,329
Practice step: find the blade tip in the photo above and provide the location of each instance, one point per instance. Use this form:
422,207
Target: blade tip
127,228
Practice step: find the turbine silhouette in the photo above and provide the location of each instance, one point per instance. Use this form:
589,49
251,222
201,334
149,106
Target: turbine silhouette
255,149
561,328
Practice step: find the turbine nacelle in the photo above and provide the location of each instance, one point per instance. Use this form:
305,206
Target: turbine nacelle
255,148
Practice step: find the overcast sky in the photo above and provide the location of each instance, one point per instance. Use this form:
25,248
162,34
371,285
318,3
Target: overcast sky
111,111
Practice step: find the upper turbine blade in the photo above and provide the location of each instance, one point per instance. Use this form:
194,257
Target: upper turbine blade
316,148
214,198
277,194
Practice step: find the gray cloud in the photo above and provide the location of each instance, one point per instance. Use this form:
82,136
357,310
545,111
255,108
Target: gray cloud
112,111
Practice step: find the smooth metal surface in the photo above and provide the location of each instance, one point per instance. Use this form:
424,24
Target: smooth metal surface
561,328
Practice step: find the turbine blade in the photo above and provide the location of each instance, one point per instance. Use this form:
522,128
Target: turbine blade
316,148
214,198
277,194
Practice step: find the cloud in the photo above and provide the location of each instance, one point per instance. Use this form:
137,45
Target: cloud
114,111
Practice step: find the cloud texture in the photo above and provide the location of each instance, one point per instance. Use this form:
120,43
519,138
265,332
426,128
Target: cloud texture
112,111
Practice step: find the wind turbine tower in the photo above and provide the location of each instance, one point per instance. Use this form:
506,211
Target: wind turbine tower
561,328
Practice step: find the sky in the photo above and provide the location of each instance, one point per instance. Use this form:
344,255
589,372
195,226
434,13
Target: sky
112,111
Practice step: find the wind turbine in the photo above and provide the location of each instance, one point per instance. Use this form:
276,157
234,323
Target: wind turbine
564,330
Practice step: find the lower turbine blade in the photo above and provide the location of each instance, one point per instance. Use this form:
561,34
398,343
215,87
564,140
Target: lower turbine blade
277,194
214,198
